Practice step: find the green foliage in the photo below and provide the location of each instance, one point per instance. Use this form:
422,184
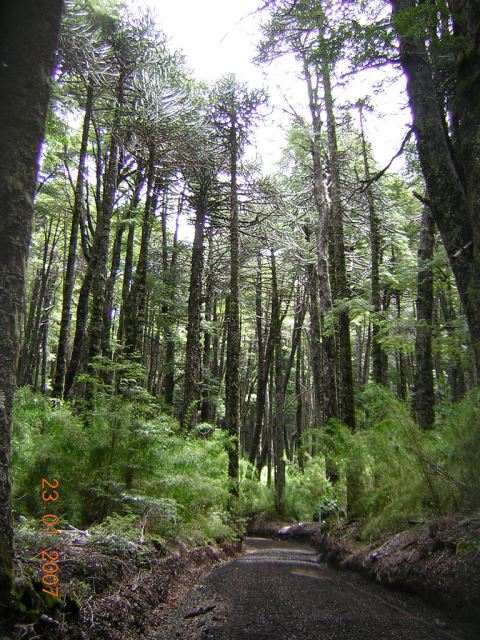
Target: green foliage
305,491
256,497
48,442
124,464
387,474
454,448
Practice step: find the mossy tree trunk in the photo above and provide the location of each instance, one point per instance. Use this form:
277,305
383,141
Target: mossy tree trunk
28,37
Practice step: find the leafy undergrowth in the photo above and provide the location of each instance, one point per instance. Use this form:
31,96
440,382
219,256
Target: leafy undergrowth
387,475
125,465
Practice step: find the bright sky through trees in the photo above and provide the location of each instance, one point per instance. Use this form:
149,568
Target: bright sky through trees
220,37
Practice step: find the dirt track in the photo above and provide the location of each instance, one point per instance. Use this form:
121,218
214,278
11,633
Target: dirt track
280,591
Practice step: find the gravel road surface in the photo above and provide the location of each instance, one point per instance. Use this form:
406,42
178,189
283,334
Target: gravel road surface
281,591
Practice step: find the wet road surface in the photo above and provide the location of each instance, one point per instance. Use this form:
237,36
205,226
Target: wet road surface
281,591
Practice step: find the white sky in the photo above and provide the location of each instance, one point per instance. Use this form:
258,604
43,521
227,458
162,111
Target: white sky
220,36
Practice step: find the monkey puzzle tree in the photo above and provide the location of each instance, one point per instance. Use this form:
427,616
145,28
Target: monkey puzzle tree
235,107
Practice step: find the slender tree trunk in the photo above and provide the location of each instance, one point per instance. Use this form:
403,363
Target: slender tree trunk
278,436
316,349
232,390
424,398
299,403
169,278
80,334
206,410
128,268
330,404
379,375
135,306
262,375
29,355
69,277
115,265
192,388
100,249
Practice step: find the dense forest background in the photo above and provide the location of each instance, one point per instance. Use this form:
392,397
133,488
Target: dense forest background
310,349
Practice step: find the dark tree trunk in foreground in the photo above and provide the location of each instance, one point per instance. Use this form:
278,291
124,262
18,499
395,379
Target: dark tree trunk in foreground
28,38
423,400
450,158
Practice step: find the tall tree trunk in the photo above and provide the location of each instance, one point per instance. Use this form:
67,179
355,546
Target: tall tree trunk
299,403
80,334
379,374
278,435
28,38
168,310
262,375
69,278
100,249
115,265
128,268
192,388
135,305
330,404
206,410
232,374
424,399
345,392
316,348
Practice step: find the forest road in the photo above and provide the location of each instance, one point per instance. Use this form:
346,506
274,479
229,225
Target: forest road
281,591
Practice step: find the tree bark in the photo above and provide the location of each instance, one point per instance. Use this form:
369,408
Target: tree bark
28,37
330,404
100,249
232,374
192,389
169,279
424,399
135,305
346,396
279,419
